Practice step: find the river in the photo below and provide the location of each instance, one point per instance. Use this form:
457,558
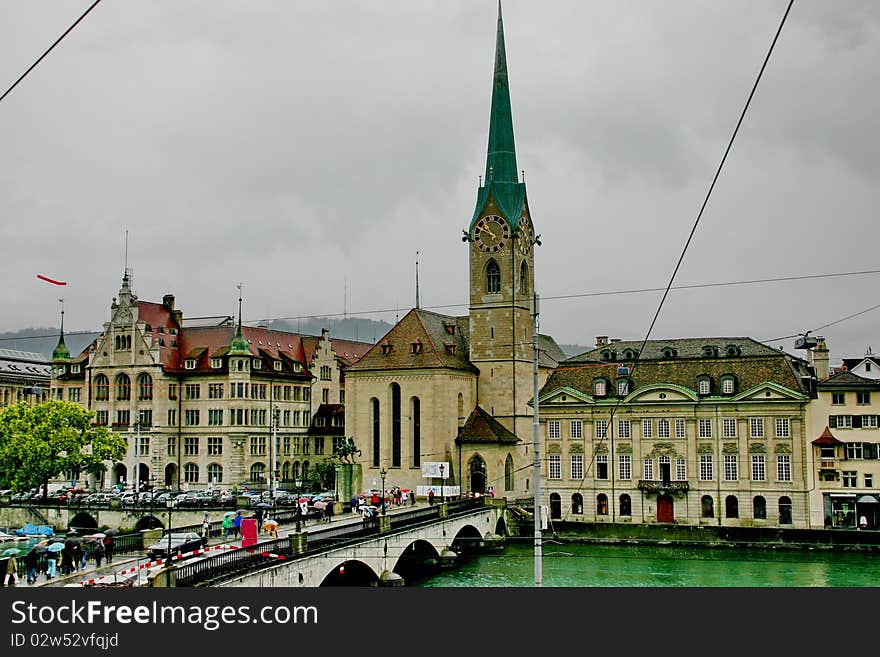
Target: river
594,565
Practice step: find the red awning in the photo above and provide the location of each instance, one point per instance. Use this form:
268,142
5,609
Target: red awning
826,439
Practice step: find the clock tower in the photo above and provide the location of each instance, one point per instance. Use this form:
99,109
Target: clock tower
501,241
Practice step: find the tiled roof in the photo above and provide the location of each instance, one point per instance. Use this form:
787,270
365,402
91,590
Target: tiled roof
848,380
749,372
435,346
685,348
482,428
327,412
25,356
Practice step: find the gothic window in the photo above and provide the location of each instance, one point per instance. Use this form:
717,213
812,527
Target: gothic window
417,431
524,278
123,387
625,505
376,434
395,425
102,388
145,386
493,278
508,473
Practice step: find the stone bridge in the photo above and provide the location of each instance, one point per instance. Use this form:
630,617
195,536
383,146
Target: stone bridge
389,558
62,517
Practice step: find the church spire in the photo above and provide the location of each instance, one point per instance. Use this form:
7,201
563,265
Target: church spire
61,352
239,346
501,156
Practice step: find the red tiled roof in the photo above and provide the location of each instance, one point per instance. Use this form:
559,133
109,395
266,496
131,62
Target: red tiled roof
826,439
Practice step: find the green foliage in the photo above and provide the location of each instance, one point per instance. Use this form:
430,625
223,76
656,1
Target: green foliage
41,442
322,475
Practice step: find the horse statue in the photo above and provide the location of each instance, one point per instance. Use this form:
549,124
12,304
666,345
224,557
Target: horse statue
346,451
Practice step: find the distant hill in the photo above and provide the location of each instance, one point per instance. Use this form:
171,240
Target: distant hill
574,349
44,340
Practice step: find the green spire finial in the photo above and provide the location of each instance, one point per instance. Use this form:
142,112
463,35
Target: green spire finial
61,352
239,346
501,156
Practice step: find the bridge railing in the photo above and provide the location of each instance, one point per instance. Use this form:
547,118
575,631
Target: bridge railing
232,562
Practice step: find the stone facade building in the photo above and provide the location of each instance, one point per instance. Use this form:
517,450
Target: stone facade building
24,376
701,431
196,402
440,389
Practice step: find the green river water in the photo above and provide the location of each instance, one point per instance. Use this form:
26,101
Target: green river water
594,565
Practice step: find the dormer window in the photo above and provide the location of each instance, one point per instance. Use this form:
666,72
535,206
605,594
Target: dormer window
258,364
733,350
623,387
161,329
216,363
277,365
450,327
609,355
668,352
728,385
450,348
630,354
147,327
189,364
386,348
600,387
704,385
710,351
297,367
417,347
319,422
74,369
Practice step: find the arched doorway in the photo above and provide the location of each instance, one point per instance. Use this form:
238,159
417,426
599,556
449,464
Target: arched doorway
120,474
171,475
555,506
477,474
665,508
143,476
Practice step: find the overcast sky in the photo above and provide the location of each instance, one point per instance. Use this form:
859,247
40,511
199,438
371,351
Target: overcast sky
309,149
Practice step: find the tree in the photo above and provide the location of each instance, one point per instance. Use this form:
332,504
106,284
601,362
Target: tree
322,475
39,443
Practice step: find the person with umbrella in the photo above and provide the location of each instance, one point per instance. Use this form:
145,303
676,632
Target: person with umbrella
11,566
30,560
227,524
52,551
109,543
99,549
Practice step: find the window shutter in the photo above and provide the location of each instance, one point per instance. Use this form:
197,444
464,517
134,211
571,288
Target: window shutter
832,421
869,450
857,421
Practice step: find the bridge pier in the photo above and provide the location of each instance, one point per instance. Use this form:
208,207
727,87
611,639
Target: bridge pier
448,557
390,578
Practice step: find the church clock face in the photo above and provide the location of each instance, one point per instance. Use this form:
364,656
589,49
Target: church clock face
491,234
525,237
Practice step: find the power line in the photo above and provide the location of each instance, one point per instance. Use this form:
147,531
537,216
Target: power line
824,326
57,41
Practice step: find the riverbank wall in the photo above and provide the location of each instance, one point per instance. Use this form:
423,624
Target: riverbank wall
714,536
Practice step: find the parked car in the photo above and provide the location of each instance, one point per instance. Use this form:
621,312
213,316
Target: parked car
183,543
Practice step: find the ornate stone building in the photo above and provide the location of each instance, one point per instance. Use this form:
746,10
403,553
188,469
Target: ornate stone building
196,401
24,376
696,431
456,390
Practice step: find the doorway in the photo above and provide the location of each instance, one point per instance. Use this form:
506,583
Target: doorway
665,509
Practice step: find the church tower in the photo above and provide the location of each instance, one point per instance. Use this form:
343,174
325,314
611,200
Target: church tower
501,241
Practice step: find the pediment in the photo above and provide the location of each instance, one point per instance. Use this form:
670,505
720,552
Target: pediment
769,391
559,396
662,393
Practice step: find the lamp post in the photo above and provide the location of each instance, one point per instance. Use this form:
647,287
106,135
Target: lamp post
336,481
153,480
442,467
382,474
170,504
298,483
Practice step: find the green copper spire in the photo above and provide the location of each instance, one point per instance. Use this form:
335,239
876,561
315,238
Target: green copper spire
501,181
61,352
239,346
501,157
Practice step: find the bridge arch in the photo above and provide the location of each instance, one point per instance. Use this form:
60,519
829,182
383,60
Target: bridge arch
84,520
350,573
148,522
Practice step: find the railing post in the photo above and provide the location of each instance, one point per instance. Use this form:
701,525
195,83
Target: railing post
299,542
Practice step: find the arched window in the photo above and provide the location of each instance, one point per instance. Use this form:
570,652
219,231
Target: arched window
416,409
601,504
295,471
555,506
376,434
305,472
258,473
508,473
123,387
599,387
524,278
285,471
577,504
145,386
493,278
759,508
625,505
215,473
102,388
784,510
707,507
190,473
731,506
395,425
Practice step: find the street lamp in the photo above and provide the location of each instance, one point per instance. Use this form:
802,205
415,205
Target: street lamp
170,504
298,483
382,474
442,467
336,481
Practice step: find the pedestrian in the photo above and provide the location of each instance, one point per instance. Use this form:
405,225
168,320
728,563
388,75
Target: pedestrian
82,557
30,560
412,497
206,529
431,496
66,560
227,527
11,569
354,503
99,552
236,524
328,510
259,515
108,548
51,564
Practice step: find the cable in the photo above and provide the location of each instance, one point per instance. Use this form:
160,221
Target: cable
824,326
57,41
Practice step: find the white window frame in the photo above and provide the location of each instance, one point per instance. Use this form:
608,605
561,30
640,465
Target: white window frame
576,429
216,363
707,467
680,428
600,388
647,428
727,386
553,431
756,427
554,470
648,469
623,388
602,458
868,421
728,427
783,427
663,428
623,429
759,468
624,467
577,466
680,470
705,427
783,467
703,387
731,467
601,428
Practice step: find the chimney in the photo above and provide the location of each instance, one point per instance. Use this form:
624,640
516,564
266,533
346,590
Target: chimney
601,341
820,359
168,301
178,315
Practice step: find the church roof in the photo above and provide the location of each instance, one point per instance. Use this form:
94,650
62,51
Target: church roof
848,380
421,340
482,428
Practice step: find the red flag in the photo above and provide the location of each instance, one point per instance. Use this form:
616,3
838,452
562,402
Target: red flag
51,280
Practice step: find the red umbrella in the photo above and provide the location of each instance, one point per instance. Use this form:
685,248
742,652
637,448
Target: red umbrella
303,499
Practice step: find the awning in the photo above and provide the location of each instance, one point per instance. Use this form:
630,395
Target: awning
826,439
850,495
867,499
